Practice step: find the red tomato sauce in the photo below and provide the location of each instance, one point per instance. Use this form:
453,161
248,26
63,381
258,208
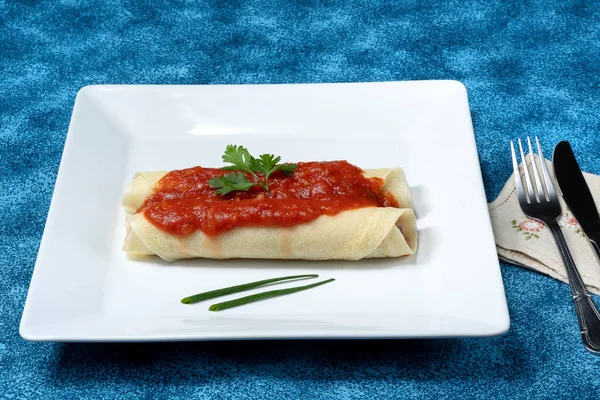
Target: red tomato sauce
183,202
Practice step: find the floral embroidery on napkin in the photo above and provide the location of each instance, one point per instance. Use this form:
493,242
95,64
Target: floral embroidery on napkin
567,219
529,227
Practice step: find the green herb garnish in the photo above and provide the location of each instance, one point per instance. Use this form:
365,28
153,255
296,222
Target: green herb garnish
263,296
239,288
230,182
259,168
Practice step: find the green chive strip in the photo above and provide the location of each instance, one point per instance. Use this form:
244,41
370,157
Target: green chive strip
239,288
263,296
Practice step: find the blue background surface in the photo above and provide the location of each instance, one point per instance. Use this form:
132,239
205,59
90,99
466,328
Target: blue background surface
530,67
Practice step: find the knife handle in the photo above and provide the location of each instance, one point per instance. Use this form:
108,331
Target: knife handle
587,313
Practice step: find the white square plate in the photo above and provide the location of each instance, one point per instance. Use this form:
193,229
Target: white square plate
84,288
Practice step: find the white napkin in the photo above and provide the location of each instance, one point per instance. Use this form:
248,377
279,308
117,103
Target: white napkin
527,243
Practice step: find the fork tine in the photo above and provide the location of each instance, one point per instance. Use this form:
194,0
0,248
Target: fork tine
527,178
549,185
538,183
518,182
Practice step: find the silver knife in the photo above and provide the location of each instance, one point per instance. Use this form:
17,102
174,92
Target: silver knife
576,192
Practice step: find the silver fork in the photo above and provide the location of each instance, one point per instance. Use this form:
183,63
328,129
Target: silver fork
541,203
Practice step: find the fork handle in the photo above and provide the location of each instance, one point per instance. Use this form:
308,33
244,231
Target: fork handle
587,313
596,245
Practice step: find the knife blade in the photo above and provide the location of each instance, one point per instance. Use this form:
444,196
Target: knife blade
576,192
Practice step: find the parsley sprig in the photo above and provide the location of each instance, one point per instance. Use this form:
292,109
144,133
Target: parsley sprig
260,169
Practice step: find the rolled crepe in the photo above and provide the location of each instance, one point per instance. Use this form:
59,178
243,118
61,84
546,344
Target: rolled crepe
350,235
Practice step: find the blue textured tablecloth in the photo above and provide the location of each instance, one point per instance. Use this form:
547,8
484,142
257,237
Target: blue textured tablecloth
531,68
